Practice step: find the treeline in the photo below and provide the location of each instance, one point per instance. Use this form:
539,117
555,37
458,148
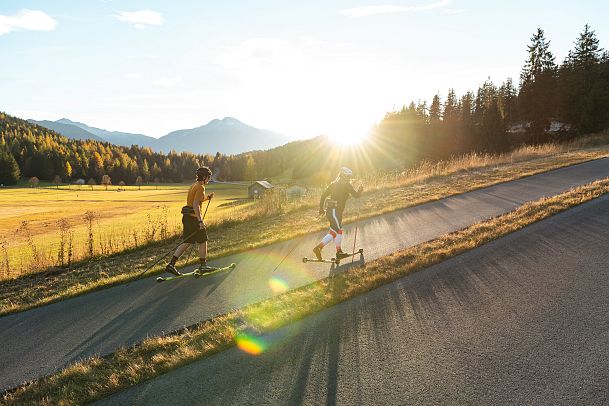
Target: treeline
551,103
28,150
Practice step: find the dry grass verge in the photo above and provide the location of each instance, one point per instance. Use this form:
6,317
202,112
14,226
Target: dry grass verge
100,377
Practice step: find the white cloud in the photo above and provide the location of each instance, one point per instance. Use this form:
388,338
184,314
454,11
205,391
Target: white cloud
140,19
33,20
453,11
133,75
256,53
390,9
168,82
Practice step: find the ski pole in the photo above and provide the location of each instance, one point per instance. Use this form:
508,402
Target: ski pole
206,207
356,227
355,239
182,242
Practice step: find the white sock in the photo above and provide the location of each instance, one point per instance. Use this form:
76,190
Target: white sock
337,240
326,239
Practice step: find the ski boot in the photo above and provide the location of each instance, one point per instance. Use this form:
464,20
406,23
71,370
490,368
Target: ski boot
341,255
170,268
203,269
317,252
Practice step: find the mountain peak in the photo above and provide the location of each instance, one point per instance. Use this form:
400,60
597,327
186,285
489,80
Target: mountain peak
225,122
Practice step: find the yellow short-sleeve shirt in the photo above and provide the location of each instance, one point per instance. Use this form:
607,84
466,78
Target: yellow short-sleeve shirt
196,192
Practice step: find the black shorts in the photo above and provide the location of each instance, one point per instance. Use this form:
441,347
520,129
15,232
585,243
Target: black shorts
335,218
192,232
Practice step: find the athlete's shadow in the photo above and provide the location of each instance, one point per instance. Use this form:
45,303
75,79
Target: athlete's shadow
357,261
217,279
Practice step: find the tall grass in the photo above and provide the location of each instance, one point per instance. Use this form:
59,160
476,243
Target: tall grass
36,258
6,266
65,250
426,170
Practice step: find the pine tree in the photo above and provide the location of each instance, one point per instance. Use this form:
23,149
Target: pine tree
584,87
538,85
466,123
450,107
450,124
9,170
434,141
507,101
587,52
434,110
493,129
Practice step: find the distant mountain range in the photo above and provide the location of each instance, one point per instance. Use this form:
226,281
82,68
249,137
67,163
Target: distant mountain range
114,137
228,136
68,130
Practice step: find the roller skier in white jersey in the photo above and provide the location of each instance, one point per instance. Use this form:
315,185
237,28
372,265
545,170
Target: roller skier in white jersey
333,200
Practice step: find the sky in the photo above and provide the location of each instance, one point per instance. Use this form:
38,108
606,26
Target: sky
301,68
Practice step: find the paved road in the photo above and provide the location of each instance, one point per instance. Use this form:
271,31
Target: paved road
43,340
522,320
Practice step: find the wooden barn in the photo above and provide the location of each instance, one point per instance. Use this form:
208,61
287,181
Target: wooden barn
258,189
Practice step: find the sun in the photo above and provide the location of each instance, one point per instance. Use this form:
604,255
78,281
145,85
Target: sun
349,137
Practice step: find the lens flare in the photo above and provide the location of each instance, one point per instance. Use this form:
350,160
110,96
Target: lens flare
278,285
292,273
251,344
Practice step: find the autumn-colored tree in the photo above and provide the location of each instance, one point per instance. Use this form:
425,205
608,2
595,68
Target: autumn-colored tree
106,181
145,170
57,181
68,170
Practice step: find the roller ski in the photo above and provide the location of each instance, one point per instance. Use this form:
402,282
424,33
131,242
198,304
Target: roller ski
200,271
324,261
342,255
318,257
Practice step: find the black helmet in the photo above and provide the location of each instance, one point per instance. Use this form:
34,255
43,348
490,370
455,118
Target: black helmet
203,172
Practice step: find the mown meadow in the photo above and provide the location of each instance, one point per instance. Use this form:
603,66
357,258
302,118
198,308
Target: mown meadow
51,225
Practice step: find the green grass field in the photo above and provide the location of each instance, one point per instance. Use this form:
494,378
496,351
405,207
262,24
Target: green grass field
123,219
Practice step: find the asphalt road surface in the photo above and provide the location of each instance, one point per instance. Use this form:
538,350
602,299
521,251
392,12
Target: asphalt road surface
521,320
41,341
